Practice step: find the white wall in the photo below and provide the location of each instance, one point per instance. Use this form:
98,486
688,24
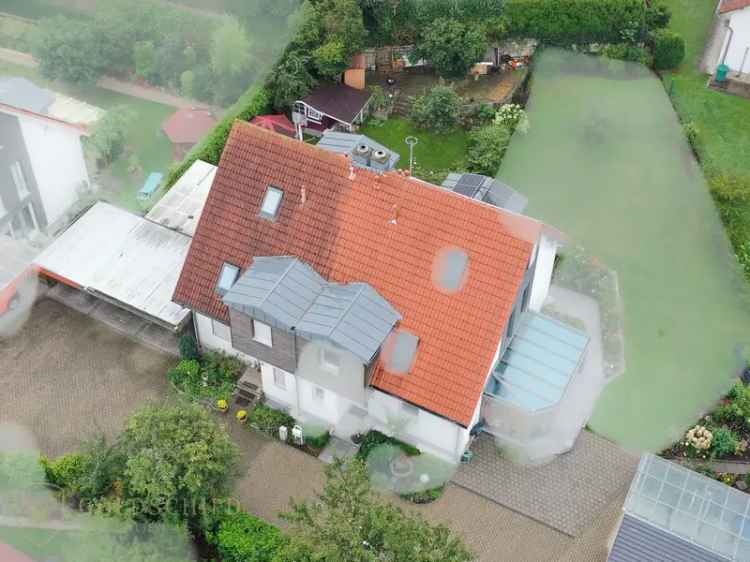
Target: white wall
287,396
57,159
207,339
740,42
430,433
545,261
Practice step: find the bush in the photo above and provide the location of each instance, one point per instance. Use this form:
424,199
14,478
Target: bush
724,443
513,117
64,472
668,48
565,22
438,111
251,103
486,148
269,419
189,348
425,496
628,52
730,189
240,537
103,465
658,16
210,379
109,133
692,134
374,439
319,440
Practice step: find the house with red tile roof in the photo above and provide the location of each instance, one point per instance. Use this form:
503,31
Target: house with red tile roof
370,300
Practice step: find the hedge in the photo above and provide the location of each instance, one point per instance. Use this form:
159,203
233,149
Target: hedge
668,48
240,537
256,101
565,22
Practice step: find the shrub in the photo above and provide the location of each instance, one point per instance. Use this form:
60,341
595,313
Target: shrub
486,147
692,134
251,103
65,471
425,496
319,440
240,537
268,419
512,116
439,110
210,379
730,188
102,466
187,83
189,348
373,439
564,22
668,48
628,52
658,16
109,133
724,442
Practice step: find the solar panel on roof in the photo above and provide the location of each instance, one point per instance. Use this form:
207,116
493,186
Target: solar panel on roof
469,184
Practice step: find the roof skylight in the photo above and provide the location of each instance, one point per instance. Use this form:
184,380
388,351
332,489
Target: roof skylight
227,277
271,202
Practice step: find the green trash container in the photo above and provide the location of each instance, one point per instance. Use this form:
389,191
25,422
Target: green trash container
721,72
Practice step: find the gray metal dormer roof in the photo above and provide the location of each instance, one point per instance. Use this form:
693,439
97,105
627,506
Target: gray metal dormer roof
286,293
347,143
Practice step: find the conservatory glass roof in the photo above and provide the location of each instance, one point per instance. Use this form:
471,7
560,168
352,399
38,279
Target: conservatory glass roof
691,506
539,362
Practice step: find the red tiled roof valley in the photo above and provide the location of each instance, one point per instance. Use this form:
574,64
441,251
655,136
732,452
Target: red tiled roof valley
344,229
188,125
732,5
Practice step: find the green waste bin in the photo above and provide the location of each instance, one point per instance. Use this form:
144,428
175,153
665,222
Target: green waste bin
721,72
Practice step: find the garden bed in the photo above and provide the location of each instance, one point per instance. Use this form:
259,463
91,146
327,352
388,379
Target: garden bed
268,420
723,434
208,379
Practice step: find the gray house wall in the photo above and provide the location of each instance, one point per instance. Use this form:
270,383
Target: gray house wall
14,150
282,353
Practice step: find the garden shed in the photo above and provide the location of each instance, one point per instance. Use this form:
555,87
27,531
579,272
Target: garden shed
186,127
332,106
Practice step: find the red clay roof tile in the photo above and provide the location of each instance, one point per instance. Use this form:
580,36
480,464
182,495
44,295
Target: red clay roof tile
344,230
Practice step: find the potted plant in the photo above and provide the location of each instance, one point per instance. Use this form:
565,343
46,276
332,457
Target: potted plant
242,416
222,405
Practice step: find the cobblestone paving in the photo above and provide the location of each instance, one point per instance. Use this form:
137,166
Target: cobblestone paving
66,377
565,494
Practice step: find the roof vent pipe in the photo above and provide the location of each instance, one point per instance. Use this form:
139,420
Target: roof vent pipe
380,156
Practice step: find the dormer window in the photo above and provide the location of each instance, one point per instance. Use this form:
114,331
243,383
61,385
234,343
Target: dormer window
271,203
227,277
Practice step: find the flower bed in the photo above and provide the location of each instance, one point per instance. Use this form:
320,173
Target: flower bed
269,420
722,434
208,379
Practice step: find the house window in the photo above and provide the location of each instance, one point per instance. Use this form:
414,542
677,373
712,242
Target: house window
330,359
19,180
221,331
271,202
227,277
409,409
262,333
319,395
314,114
279,378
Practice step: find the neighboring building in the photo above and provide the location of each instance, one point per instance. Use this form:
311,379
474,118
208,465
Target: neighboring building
364,152
186,127
673,514
376,300
276,123
486,189
730,41
332,107
43,174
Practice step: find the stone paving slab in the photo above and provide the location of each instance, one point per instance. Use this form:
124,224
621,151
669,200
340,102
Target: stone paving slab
565,494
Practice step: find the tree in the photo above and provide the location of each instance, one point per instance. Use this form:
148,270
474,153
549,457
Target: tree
350,522
342,21
67,50
486,148
331,59
439,110
452,47
109,134
230,59
178,459
144,58
291,80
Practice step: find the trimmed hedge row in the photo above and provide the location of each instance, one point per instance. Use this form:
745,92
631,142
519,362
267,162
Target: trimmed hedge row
241,537
255,101
564,22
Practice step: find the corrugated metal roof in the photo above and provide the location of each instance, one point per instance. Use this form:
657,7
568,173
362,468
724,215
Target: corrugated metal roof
346,143
289,294
706,520
123,257
182,205
541,360
637,541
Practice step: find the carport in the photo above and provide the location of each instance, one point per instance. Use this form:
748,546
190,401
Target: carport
122,259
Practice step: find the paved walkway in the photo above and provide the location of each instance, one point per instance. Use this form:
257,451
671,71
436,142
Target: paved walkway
148,93
566,494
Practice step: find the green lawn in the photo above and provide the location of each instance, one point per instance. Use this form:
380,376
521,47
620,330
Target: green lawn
40,544
145,139
606,162
434,155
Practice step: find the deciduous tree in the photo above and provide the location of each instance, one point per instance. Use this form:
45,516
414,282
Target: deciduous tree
452,47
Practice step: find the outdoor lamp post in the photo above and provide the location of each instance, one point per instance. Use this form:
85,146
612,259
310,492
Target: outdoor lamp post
412,142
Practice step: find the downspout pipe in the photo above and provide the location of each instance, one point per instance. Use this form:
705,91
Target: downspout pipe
729,42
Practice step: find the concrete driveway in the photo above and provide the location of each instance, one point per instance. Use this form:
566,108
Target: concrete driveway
66,377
